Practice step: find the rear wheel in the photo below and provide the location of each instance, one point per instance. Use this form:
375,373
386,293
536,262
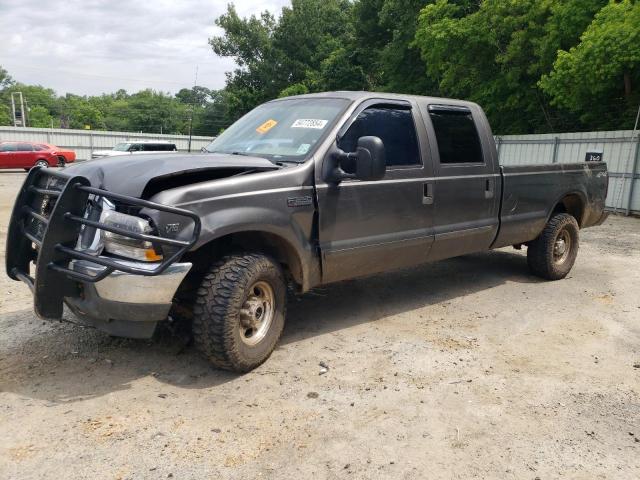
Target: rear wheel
554,252
239,311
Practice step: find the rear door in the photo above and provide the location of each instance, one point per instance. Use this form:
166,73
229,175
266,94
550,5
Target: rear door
466,180
372,226
24,155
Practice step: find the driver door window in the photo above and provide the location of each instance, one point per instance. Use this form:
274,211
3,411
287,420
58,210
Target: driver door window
394,126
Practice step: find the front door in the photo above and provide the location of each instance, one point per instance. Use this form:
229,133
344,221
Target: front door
466,191
372,226
8,157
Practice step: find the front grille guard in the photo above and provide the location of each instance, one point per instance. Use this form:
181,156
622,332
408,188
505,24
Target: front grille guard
46,222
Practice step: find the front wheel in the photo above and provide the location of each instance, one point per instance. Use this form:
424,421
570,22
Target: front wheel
42,163
239,311
554,252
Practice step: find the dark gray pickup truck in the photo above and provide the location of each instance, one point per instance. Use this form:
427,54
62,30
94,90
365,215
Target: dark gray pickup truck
300,192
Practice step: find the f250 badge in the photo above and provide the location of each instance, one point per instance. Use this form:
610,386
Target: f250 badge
171,227
299,201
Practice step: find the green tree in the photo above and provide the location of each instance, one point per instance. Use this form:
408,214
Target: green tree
198,96
78,112
40,117
5,79
278,57
5,113
598,78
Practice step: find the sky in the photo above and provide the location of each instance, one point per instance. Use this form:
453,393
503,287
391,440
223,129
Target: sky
90,47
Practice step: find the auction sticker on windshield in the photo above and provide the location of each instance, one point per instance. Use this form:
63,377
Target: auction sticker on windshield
266,126
309,123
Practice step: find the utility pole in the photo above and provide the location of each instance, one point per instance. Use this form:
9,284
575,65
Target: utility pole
15,113
193,102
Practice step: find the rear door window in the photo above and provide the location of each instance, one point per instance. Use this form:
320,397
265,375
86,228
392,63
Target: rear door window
456,134
8,147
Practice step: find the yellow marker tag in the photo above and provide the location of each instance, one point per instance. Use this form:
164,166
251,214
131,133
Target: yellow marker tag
266,126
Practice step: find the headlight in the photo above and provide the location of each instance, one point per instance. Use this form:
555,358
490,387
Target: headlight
126,246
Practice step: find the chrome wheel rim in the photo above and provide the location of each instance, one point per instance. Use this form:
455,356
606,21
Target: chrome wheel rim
257,312
40,163
562,247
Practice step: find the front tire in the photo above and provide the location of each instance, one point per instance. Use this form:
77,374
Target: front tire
239,311
553,253
41,163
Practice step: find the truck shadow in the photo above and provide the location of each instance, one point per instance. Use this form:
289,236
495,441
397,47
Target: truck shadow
342,305
65,363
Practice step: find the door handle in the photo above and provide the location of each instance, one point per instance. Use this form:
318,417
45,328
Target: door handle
427,194
488,188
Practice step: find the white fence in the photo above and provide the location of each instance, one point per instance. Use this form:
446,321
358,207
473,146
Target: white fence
83,142
621,152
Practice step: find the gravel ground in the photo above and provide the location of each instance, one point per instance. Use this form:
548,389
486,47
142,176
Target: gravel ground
468,368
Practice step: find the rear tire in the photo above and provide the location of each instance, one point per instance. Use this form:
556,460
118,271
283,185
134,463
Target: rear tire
239,311
553,253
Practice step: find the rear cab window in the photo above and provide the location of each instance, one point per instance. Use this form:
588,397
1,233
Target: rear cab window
456,135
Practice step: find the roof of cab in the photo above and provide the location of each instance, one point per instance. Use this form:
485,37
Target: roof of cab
362,95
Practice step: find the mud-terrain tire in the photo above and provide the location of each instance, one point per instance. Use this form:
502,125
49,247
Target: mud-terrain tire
239,311
553,253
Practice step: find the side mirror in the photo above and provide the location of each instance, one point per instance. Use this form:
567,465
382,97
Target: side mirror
368,162
370,159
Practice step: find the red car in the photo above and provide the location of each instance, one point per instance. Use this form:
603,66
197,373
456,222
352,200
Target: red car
30,154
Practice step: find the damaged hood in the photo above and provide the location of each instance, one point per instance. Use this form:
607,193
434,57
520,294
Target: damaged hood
130,174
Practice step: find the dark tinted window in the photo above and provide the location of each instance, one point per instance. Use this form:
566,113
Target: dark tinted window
395,128
25,147
457,137
40,148
8,147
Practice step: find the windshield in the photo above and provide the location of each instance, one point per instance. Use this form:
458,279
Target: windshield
286,130
122,147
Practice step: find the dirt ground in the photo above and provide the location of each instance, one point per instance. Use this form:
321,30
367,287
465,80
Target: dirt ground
468,368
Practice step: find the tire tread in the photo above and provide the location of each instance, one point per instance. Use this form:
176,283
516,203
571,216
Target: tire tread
220,291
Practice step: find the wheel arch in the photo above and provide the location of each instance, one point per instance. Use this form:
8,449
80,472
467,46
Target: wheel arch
573,203
256,240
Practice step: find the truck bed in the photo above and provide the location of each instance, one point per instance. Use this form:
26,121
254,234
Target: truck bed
530,192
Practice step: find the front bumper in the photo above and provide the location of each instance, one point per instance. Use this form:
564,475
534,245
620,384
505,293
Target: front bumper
123,304
44,251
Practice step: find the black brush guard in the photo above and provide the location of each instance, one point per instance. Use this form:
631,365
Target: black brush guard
45,225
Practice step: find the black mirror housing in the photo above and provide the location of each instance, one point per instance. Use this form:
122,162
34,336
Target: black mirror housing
370,159
368,162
